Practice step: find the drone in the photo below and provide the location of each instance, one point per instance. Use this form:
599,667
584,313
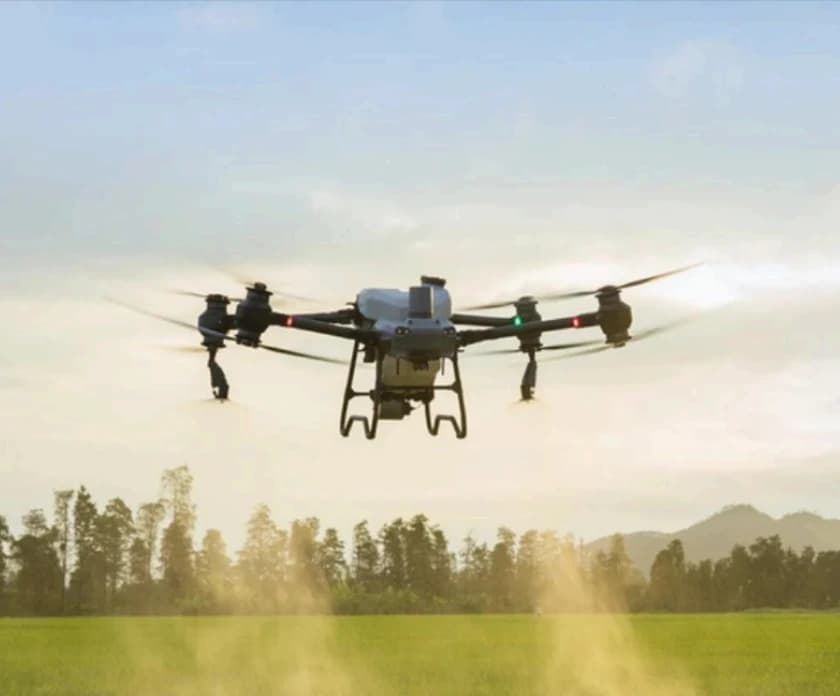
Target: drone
409,336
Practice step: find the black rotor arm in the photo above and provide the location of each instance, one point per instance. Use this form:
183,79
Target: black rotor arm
341,316
329,324
478,320
579,321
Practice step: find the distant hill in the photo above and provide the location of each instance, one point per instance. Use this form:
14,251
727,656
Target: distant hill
715,536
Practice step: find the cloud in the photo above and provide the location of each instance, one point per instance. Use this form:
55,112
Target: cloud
700,67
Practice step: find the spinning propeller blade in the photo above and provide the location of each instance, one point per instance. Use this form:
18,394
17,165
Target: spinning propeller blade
154,315
275,349
249,280
556,346
641,335
584,293
225,337
202,296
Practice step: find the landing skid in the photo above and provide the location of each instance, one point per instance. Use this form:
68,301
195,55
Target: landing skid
380,392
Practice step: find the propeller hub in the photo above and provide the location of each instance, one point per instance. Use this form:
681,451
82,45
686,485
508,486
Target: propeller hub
608,291
217,299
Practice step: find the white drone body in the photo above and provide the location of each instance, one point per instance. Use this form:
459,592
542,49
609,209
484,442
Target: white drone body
389,312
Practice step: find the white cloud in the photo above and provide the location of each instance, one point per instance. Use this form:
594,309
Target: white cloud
700,66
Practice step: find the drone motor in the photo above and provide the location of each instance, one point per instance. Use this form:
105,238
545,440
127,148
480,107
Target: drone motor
215,320
253,315
614,316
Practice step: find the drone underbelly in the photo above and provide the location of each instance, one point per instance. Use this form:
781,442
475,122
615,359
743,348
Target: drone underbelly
402,373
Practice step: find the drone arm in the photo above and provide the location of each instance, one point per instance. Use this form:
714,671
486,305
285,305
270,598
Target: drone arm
307,323
342,316
478,320
468,337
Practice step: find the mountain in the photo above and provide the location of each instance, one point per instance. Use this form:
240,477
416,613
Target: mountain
715,536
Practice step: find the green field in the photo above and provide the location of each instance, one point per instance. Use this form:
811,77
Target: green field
645,654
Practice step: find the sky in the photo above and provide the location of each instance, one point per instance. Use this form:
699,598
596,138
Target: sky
508,147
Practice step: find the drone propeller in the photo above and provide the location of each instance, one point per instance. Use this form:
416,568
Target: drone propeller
184,349
225,337
249,281
641,335
584,293
556,346
202,296
154,315
283,297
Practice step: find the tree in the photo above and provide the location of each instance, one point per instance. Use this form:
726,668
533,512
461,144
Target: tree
176,496
61,516
212,571
149,518
305,583
698,587
667,575
38,578
767,564
612,575
331,563
502,569
560,579
262,561
474,578
176,555
138,558
4,539
442,564
527,569
114,529
87,580
418,556
738,581
392,543
365,559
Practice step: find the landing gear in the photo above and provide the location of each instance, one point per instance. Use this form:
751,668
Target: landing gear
369,424
529,379
392,402
218,382
459,424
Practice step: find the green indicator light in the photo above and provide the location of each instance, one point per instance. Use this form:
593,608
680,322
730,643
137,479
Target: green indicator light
517,320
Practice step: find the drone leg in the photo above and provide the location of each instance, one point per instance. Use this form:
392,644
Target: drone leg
218,382
369,424
459,425
529,379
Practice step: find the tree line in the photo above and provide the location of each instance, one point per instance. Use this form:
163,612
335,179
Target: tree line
111,560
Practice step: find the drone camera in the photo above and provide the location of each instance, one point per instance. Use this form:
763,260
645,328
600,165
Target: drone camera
394,409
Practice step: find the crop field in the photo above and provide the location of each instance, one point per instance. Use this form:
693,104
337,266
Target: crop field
742,654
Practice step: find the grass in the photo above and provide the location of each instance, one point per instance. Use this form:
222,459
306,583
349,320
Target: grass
744,654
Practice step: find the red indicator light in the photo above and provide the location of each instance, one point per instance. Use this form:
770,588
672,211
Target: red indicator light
576,322
290,320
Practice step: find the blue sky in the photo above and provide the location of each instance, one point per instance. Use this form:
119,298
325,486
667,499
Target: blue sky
510,147
157,106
